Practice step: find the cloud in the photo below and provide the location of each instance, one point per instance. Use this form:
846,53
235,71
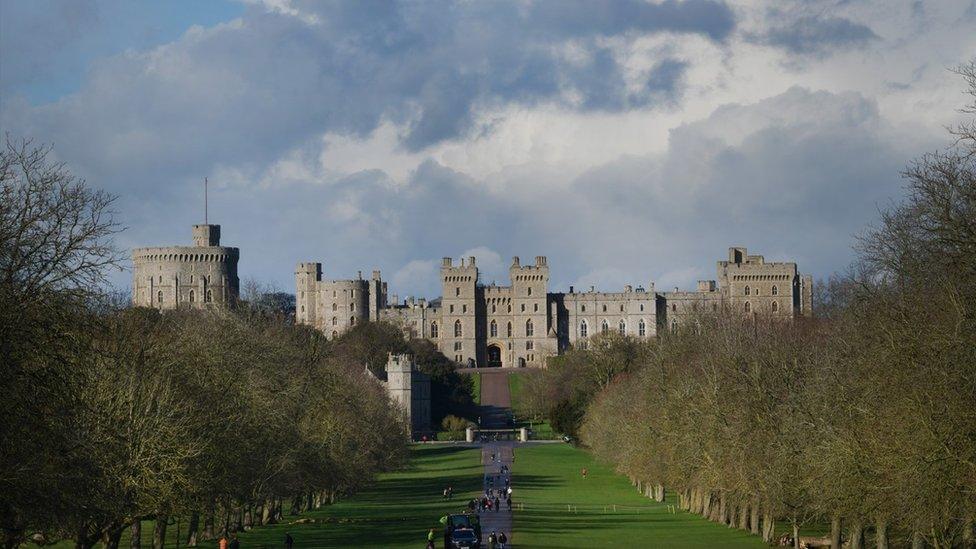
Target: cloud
810,35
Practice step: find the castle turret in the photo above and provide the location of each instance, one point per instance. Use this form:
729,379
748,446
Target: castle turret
410,390
307,278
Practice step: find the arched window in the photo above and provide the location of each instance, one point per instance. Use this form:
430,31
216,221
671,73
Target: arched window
582,308
352,306
641,328
674,307
622,328
529,331
747,290
642,307
529,345
209,296
535,308
748,307
775,306
508,329
192,296
457,328
523,307
433,329
335,334
159,298
530,291
583,329
335,307
509,307
352,321
335,321
492,307
605,327
493,329
457,291
775,290
604,307
621,308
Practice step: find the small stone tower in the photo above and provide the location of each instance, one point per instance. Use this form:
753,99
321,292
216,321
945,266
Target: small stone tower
410,389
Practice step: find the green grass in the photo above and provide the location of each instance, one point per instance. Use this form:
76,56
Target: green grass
515,383
547,479
395,512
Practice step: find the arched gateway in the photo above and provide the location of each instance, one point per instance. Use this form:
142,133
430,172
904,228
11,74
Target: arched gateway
494,356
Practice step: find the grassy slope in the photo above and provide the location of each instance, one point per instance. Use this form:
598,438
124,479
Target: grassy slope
394,513
547,478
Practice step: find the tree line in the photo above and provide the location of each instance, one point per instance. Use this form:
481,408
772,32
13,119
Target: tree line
115,415
863,418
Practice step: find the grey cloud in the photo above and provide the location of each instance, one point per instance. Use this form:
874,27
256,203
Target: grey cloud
817,36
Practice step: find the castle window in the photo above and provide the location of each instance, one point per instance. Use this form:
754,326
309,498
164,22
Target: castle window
457,328
493,307
457,291
775,290
335,321
528,328
775,306
493,329
452,308
160,279
605,327
641,328
747,290
674,307
530,291
352,321
333,293
529,345
604,307
582,308
642,307
523,307
509,307
303,307
335,307
621,308
352,306
335,334
160,298
191,282
748,307
433,329
535,307
457,346
464,308
352,293
209,296
191,296
583,329
622,328
674,326
509,329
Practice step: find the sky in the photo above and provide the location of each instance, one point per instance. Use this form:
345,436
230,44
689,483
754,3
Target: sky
630,142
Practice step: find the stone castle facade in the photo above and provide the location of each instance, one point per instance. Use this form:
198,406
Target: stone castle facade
409,389
524,323
200,275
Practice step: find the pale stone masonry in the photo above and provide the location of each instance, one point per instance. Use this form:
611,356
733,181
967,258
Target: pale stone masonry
523,324
197,276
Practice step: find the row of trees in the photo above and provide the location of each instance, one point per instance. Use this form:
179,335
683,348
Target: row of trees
863,418
113,415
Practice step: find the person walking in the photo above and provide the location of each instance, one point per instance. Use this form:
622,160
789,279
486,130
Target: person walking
222,544
289,541
497,506
492,539
508,501
444,494
502,540
430,539
450,492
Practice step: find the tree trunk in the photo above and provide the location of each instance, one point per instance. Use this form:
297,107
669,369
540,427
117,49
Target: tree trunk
191,534
249,517
267,512
835,531
796,534
744,516
279,515
769,527
723,509
239,515
733,515
659,493
112,537
135,535
159,532
857,536
208,525
754,518
881,533
918,542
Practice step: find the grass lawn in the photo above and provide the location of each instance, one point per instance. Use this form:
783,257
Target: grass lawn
547,479
394,513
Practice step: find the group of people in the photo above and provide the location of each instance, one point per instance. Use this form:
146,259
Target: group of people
497,541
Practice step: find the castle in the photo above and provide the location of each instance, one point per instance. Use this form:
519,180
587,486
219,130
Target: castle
524,323
409,389
191,276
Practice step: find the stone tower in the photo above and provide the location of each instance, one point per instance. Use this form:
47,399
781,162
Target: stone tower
307,277
410,389
186,276
460,329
